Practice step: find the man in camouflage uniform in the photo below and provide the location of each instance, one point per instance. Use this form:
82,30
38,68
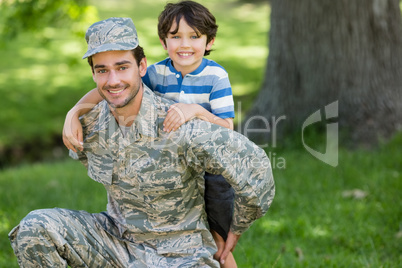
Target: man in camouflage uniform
155,214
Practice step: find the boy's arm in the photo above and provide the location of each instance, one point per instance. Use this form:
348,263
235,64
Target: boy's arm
179,113
72,130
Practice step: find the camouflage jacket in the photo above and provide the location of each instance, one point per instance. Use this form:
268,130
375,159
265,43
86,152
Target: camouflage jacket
154,179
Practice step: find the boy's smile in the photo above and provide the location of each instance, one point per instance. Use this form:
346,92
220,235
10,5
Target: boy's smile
184,54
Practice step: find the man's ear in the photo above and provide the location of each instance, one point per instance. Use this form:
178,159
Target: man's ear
163,43
143,66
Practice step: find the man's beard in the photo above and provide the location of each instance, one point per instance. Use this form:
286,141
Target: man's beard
125,102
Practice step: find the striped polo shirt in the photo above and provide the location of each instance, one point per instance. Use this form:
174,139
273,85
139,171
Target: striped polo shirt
207,86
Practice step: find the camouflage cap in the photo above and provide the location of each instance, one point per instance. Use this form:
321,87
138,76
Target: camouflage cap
111,34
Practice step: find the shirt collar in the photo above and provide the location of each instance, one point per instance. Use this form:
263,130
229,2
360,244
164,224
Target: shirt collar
199,69
146,120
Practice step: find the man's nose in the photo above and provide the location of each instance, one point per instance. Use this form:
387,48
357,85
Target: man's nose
113,78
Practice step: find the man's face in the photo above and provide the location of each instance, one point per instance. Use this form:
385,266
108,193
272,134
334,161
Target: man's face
117,76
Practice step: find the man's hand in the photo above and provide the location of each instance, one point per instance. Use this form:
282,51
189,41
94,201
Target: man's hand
178,114
230,245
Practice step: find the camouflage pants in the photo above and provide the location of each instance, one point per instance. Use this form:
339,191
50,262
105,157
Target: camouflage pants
62,238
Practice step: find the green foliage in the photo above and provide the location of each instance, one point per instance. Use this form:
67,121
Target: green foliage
39,84
35,15
41,75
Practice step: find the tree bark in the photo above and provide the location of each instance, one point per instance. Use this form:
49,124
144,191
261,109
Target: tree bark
322,52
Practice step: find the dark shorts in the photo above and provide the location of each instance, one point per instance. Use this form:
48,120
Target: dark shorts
219,199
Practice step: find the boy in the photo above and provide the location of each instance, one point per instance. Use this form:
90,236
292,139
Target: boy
201,89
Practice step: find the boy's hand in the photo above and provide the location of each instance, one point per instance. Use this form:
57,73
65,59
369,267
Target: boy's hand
178,114
72,132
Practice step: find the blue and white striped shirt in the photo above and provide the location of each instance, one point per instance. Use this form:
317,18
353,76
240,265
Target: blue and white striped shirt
208,86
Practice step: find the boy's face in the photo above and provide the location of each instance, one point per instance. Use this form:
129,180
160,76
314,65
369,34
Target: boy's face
117,76
186,48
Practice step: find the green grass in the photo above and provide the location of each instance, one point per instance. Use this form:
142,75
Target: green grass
318,218
60,184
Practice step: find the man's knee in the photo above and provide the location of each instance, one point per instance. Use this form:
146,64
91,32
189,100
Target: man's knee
40,219
35,225
37,239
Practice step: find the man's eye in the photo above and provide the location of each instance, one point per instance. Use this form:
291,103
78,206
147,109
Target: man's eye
194,37
175,37
123,68
101,71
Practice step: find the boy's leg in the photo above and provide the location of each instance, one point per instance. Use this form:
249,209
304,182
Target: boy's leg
219,201
61,237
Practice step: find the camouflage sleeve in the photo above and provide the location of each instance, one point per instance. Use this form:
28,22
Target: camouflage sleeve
243,164
89,123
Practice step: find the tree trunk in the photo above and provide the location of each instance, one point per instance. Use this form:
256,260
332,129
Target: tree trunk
342,53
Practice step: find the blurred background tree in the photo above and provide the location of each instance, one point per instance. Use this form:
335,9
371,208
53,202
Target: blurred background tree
326,51
33,15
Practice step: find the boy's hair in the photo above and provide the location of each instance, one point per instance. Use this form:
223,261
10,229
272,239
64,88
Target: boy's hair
196,15
138,54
